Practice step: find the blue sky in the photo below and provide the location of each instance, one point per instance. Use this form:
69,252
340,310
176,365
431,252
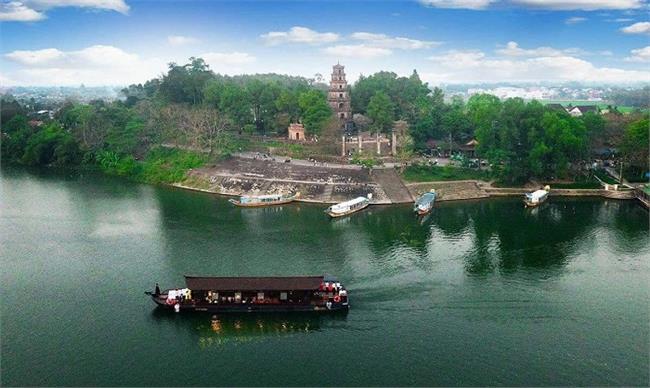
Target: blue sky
114,42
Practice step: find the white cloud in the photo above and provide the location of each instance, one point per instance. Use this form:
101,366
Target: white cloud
620,20
180,40
575,20
94,65
16,11
475,66
586,5
512,49
387,42
466,4
357,51
110,5
639,55
637,28
32,10
299,34
45,57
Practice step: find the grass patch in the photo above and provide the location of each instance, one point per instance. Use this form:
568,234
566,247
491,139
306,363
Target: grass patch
196,182
161,165
419,173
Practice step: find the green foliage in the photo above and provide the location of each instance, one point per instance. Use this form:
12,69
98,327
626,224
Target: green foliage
169,165
422,173
402,91
635,148
380,111
51,145
366,161
314,110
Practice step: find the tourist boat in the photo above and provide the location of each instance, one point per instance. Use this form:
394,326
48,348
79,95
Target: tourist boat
424,203
348,207
537,197
255,294
264,200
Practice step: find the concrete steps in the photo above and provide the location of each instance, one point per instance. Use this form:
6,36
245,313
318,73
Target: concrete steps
392,184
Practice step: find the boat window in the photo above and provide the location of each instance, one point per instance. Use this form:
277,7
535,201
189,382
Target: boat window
260,296
283,296
237,297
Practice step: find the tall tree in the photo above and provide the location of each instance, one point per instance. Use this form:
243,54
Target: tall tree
380,111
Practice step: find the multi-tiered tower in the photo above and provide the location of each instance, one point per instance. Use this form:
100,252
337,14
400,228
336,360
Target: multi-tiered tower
338,96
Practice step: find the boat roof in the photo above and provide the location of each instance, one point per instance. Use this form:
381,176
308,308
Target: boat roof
266,196
352,202
537,194
254,283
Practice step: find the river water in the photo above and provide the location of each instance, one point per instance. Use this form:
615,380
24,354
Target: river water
478,293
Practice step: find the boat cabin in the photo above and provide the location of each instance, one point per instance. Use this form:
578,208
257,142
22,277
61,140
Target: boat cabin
262,198
298,293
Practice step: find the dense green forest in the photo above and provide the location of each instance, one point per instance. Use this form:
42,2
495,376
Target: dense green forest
191,115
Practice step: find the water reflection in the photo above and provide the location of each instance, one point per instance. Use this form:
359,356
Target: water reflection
213,330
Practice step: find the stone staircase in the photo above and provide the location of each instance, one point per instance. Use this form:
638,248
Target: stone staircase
392,184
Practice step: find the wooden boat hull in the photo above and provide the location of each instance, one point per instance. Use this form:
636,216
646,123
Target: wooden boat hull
336,215
421,212
250,308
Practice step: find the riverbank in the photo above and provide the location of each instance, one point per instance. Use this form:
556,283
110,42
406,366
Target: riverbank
332,183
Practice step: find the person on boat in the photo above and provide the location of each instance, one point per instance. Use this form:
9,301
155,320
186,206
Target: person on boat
157,290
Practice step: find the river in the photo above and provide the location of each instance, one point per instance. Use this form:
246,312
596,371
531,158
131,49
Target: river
478,293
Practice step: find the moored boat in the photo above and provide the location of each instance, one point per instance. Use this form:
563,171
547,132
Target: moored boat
348,207
264,200
537,197
255,294
424,203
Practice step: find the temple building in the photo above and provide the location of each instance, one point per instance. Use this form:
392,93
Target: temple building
338,96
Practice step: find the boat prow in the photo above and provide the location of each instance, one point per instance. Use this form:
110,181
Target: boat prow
537,197
424,204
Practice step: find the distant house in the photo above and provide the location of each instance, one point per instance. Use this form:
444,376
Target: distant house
580,110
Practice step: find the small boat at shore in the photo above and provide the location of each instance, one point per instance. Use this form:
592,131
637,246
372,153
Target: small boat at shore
264,200
254,294
348,207
537,197
424,203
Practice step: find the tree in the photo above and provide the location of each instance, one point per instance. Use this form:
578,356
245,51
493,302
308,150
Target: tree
314,110
380,111
635,147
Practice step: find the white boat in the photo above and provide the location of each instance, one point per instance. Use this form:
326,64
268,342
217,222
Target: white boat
537,197
264,200
424,203
348,207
